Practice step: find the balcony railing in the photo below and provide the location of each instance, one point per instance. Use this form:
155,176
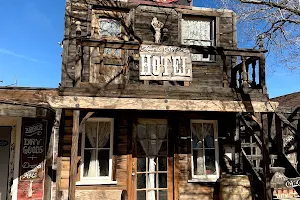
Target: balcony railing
242,68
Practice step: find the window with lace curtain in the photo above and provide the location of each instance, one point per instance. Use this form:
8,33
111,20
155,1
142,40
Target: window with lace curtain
198,31
205,152
97,150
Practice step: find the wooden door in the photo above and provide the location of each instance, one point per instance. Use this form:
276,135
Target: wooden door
152,166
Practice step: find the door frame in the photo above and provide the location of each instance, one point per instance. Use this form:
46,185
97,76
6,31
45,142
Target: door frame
15,123
170,158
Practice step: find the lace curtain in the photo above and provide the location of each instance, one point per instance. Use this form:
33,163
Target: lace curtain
203,137
98,134
151,137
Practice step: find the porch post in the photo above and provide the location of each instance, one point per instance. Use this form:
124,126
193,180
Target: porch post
266,156
74,153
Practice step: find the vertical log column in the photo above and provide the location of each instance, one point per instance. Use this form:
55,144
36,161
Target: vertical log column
245,74
74,153
225,75
262,73
253,84
279,140
266,157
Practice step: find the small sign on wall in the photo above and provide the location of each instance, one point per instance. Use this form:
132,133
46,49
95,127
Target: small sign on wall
32,150
165,63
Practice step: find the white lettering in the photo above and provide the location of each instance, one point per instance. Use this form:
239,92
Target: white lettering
156,65
33,150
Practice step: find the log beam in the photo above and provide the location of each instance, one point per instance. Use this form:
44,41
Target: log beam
73,102
74,153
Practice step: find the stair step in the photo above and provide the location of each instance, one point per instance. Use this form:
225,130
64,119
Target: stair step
272,169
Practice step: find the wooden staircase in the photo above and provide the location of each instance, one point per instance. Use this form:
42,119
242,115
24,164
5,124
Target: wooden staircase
264,156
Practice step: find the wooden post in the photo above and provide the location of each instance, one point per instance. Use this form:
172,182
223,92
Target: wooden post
74,151
279,140
237,155
262,73
225,75
266,157
245,74
253,73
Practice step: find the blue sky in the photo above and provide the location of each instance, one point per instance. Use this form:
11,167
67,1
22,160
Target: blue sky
29,50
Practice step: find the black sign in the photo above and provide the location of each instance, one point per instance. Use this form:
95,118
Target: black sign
32,149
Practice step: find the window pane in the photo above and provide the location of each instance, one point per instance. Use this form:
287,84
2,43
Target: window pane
141,181
103,157
104,134
90,163
163,195
162,164
197,135
151,180
196,32
141,164
208,133
162,180
152,164
110,27
163,148
151,195
91,134
142,147
210,161
198,161
141,195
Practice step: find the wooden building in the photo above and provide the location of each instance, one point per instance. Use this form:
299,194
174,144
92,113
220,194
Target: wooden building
26,120
157,102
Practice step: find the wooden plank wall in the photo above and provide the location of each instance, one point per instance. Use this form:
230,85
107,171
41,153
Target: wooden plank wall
119,161
180,131
206,74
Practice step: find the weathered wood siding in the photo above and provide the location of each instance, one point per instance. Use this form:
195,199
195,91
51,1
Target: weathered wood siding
119,161
179,143
137,19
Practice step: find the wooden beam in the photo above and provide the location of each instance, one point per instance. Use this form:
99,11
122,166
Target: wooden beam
74,153
86,117
266,157
158,104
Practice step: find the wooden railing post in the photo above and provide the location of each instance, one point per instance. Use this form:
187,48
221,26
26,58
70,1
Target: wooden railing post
253,73
262,73
74,152
266,156
245,74
225,75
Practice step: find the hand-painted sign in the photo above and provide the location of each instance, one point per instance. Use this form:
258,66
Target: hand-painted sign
292,182
165,63
32,149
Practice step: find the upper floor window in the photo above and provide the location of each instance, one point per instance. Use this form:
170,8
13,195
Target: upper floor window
109,28
204,146
198,31
97,150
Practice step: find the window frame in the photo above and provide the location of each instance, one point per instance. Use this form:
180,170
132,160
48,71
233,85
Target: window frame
206,178
213,34
100,179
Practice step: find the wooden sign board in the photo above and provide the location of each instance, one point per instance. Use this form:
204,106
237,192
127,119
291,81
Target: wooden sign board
32,150
167,63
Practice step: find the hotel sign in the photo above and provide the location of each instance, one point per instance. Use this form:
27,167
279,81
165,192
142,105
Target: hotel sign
167,63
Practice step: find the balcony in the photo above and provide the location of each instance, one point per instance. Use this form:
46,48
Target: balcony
239,71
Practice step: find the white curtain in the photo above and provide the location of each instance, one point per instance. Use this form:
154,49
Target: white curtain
151,137
98,134
199,132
